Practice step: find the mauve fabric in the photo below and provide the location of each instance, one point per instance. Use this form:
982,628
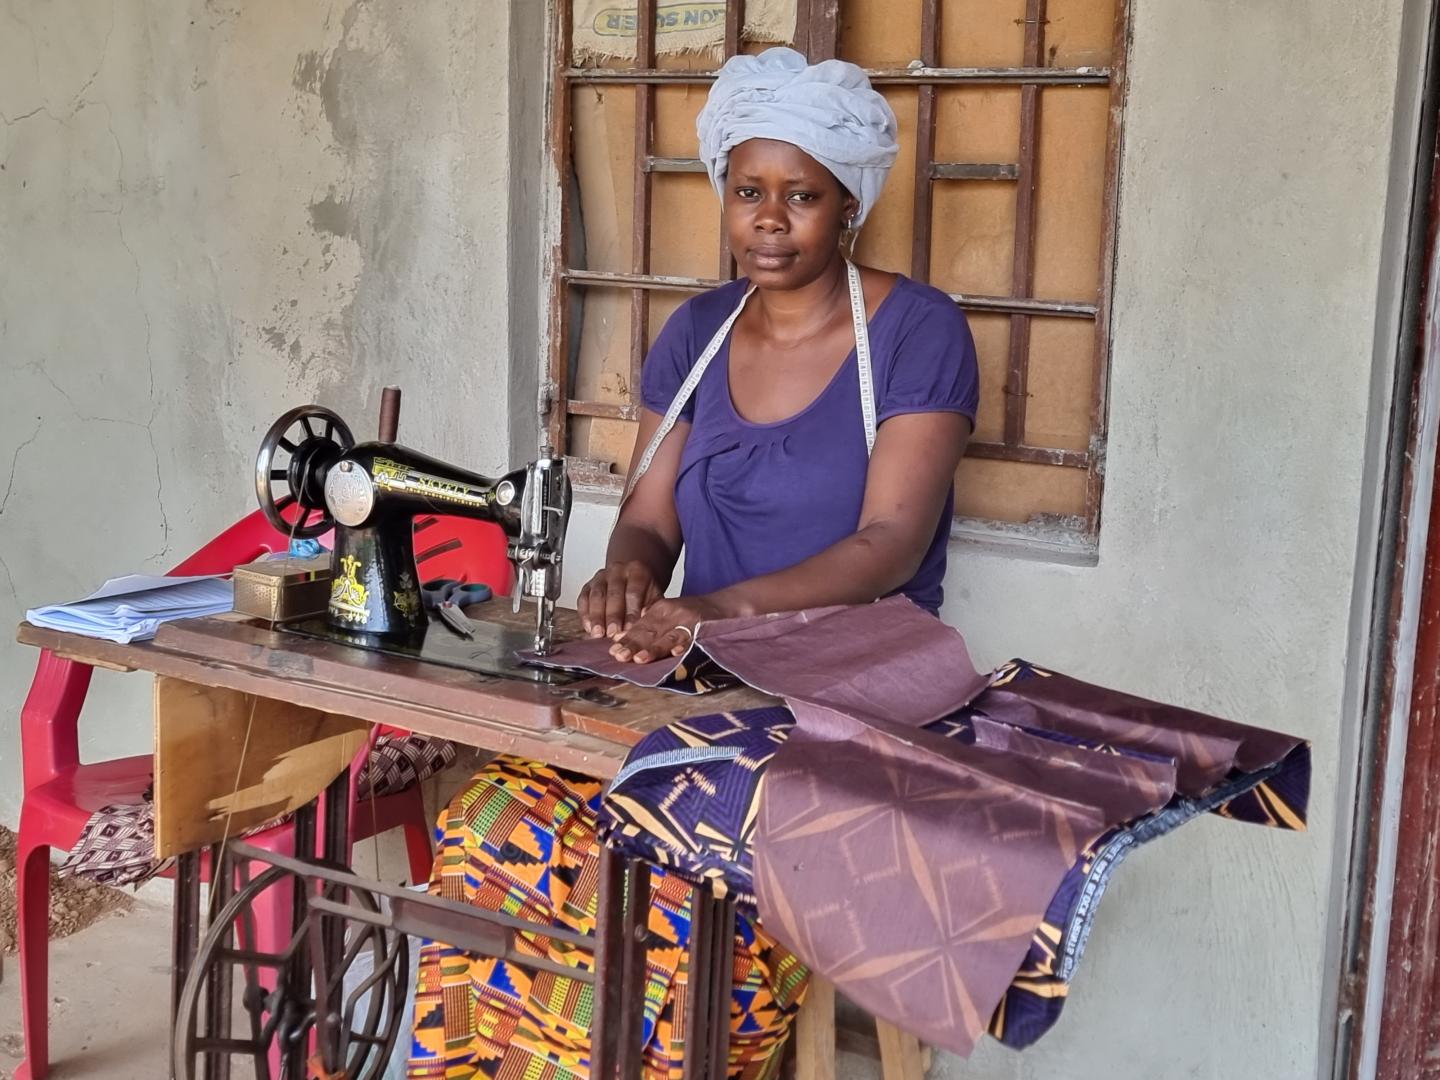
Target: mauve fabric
756,498
909,869
1205,747
889,662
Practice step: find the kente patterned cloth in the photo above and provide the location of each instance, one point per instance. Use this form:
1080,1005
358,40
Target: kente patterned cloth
941,857
117,844
521,840
688,799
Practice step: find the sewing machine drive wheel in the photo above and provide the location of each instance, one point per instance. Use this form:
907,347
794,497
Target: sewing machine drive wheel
290,469
272,1005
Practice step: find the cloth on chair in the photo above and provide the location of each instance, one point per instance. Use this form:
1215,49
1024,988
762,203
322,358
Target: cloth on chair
117,844
116,847
397,762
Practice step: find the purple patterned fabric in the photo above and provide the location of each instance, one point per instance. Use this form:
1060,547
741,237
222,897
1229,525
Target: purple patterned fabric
911,869
688,799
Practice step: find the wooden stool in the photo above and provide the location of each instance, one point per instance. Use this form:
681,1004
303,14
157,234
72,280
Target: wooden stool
817,1037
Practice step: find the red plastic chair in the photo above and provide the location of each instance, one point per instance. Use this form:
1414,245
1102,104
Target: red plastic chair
448,547
60,793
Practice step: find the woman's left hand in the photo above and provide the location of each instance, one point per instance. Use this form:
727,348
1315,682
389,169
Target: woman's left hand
667,628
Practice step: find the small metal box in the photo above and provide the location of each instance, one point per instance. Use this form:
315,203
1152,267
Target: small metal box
279,590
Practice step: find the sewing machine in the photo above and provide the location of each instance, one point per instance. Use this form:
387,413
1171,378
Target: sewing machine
370,494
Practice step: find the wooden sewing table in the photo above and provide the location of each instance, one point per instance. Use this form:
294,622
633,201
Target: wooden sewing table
251,723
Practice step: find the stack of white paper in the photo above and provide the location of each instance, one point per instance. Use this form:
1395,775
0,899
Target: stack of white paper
132,608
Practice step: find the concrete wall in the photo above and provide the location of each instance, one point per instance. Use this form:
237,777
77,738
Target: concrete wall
1254,185
213,211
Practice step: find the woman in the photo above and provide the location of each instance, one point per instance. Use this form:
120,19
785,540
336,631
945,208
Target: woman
766,479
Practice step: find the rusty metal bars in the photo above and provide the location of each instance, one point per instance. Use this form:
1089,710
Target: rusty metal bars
1017,379
1020,305
925,142
918,76
818,23
1075,309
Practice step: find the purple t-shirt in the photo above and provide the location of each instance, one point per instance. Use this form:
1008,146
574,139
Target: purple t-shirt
756,498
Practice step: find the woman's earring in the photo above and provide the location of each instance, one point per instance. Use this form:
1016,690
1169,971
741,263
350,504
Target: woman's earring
848,237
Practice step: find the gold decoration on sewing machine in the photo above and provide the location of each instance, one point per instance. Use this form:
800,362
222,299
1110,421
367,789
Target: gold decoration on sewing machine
393,476
349,596
407,599
389,474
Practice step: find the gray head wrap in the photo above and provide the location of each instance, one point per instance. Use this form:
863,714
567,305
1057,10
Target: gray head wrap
829,110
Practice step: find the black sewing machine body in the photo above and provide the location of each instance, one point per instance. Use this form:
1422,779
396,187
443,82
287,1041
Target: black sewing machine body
371,493
375,491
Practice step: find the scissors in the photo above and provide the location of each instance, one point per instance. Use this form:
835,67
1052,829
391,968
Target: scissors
449,591
447,597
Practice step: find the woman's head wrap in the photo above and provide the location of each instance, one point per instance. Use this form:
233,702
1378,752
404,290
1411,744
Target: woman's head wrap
829,110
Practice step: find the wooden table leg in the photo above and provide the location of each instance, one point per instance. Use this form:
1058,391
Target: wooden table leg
815,1033
329,932
297,973
900,1056
336,840
708,988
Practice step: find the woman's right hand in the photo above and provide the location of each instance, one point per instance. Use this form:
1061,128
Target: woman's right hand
615,597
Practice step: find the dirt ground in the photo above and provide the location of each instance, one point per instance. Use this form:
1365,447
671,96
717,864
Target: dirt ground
74,902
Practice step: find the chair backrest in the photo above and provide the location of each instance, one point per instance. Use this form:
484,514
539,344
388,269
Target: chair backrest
245,541
50,717
451,547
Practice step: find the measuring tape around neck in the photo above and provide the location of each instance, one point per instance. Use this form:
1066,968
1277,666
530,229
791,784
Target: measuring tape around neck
687,388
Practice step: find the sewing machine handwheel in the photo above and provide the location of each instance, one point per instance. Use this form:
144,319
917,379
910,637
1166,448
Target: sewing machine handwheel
274,1010
314,438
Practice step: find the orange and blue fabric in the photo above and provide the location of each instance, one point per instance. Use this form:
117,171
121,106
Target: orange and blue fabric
521,840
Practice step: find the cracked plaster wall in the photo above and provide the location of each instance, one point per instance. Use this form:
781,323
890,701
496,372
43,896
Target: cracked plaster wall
211,212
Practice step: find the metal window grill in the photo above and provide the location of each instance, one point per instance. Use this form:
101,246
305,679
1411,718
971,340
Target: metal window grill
817,35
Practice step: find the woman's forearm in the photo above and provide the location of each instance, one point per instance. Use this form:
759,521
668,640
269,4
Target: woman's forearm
872,563
640,543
